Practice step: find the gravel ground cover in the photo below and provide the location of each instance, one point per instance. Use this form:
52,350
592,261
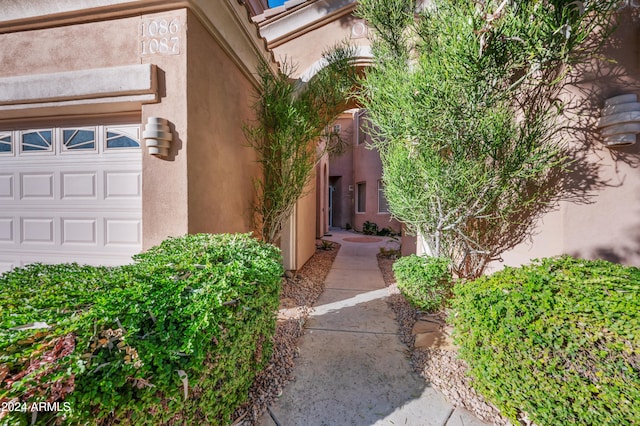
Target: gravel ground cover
300,290
440,367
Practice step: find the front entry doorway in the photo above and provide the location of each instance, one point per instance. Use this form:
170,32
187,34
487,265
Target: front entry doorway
331,191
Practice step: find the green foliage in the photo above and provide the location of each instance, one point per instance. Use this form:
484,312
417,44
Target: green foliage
369,228
197,310
464,103
558,341
389,252
325,245
425,281
387,232
292,117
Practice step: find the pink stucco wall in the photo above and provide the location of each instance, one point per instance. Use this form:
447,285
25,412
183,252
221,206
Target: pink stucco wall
603,219
73,47
221,165
341,176
358,164
205,185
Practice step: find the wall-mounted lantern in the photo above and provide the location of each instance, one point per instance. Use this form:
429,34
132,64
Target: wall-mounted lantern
157,136
620,121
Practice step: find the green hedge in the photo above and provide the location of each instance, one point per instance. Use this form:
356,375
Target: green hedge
424,281
197,310
558,340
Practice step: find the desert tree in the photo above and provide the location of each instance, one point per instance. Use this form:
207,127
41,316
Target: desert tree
291,132
466,104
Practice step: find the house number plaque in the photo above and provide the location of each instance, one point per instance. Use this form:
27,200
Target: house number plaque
160,36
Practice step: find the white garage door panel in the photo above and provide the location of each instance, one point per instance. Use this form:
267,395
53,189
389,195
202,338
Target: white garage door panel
71,199
36,186
6,230
79,185
6,187
37,230
122,185
122,232
79,231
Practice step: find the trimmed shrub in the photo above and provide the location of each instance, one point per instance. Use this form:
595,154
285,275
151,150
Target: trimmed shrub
557,341
387,232
369,228
175,338
424,281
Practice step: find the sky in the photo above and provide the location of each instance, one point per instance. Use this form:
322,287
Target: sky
274,3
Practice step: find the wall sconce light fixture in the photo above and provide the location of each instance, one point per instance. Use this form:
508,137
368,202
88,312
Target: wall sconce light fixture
620,120
157,136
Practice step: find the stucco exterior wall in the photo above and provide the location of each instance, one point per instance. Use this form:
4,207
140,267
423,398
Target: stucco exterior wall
104,45
357,164
367,168
305,225
75,47
605,220
341,174
408,244
203,86
322,195
322,38
221,165
164,196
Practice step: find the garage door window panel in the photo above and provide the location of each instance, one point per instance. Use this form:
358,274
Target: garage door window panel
79,139
122,138
37,141
6,143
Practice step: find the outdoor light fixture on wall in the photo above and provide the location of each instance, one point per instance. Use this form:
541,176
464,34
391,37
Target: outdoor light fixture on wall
620,120
157,136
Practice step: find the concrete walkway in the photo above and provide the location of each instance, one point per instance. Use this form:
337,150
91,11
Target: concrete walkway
353,369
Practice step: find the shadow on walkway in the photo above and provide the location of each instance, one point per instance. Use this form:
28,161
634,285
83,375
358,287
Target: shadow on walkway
353,369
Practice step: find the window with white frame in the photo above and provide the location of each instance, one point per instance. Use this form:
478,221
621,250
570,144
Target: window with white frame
79,139
122,137
36,140
69,140
383,205
362,129
6,143
361,197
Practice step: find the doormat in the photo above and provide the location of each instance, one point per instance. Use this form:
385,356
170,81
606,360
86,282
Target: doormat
362,239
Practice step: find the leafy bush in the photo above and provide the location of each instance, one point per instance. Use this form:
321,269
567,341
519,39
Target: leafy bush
389,252
424,281
176,337
369,228
386,232
40,364
558,341
465,106
325,245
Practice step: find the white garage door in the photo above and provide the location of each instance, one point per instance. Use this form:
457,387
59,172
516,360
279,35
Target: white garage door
70,194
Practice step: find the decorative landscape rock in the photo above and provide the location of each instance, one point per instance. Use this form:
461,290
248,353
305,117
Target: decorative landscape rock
438,365
432,332
299,292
